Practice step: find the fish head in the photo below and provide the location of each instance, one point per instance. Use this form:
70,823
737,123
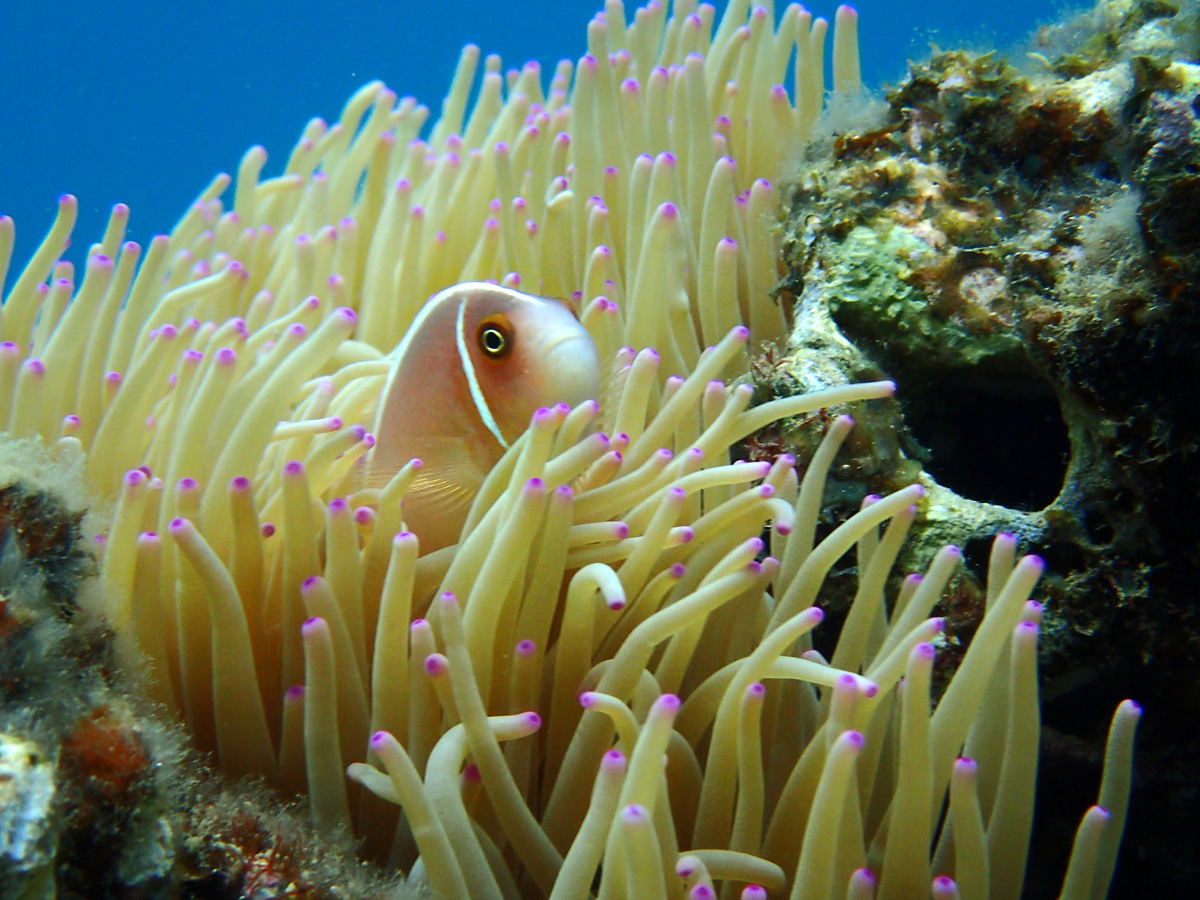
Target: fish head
522,353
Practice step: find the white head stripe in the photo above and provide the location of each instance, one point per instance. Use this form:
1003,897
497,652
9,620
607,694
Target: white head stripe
464,356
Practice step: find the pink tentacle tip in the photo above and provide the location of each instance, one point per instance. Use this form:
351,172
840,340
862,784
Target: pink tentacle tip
668,703
614,759
379,739
766,491
448,599
855,739
471,774
267,530
701,892
346,314
621,531
295,467
966,765
337,505
364,515
134,477
1028,628
226,357
178,525
669,211
635,814
295,692
532,720
34,367
564,491
526,648
757,690
678,570
310,582
311,625
925,651
754,892
436,664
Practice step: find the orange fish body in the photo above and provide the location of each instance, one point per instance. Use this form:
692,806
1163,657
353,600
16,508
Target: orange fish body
474,366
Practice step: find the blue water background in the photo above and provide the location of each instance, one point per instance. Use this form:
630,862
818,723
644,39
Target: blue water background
143,103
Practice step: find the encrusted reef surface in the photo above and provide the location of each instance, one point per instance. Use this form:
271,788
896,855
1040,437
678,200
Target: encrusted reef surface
100,796
1015,242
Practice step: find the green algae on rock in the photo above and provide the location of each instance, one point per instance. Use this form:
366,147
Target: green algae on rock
1016,243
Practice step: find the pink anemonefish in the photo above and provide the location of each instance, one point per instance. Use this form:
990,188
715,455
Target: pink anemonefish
475,364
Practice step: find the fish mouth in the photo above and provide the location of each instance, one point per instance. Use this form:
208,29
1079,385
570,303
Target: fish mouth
573,359
567,339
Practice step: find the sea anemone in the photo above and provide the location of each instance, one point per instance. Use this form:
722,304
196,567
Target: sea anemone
611,574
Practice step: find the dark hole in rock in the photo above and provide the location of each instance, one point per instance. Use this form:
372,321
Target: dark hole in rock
995,440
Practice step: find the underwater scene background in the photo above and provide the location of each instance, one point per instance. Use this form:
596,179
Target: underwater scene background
130,103
1007,242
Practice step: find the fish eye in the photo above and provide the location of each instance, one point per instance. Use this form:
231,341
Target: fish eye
495,337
